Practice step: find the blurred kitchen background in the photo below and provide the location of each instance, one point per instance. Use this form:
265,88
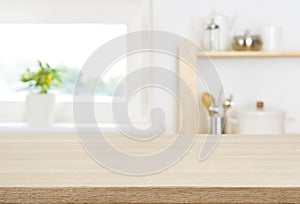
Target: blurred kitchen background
273,80
65,33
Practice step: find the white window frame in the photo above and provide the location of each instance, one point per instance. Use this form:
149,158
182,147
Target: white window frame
136,14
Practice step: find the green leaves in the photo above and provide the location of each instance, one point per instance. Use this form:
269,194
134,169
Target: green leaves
43,79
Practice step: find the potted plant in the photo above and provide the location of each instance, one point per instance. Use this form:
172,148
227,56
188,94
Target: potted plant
40,103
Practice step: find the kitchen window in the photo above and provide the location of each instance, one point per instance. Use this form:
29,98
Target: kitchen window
64,46
64,34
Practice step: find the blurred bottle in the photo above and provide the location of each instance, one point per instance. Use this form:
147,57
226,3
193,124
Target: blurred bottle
212,33
221,35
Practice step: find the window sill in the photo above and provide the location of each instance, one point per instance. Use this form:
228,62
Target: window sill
63,128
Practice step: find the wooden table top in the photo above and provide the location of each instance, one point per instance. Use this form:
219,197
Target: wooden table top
240,165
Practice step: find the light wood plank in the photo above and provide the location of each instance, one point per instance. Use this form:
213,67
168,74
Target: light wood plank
42,168
187,64
251,160
248,54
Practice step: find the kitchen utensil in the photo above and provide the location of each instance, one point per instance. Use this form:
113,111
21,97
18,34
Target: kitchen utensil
228,103
247,42
209,102
206,100
217,114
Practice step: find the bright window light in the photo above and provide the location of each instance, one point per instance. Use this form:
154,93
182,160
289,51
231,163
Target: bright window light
64,46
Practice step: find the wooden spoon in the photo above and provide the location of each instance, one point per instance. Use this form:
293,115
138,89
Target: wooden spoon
206,100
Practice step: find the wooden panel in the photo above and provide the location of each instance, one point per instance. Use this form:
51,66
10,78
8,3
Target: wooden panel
186,71
248,54
149,195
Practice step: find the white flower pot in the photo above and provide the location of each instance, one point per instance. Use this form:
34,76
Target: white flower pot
40,109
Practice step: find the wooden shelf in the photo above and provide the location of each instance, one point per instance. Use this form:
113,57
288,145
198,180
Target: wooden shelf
248,54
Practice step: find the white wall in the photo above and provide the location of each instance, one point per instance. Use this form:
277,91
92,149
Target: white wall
275,80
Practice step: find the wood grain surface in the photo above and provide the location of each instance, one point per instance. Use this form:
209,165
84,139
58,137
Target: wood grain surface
249,54
149,195
242,168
